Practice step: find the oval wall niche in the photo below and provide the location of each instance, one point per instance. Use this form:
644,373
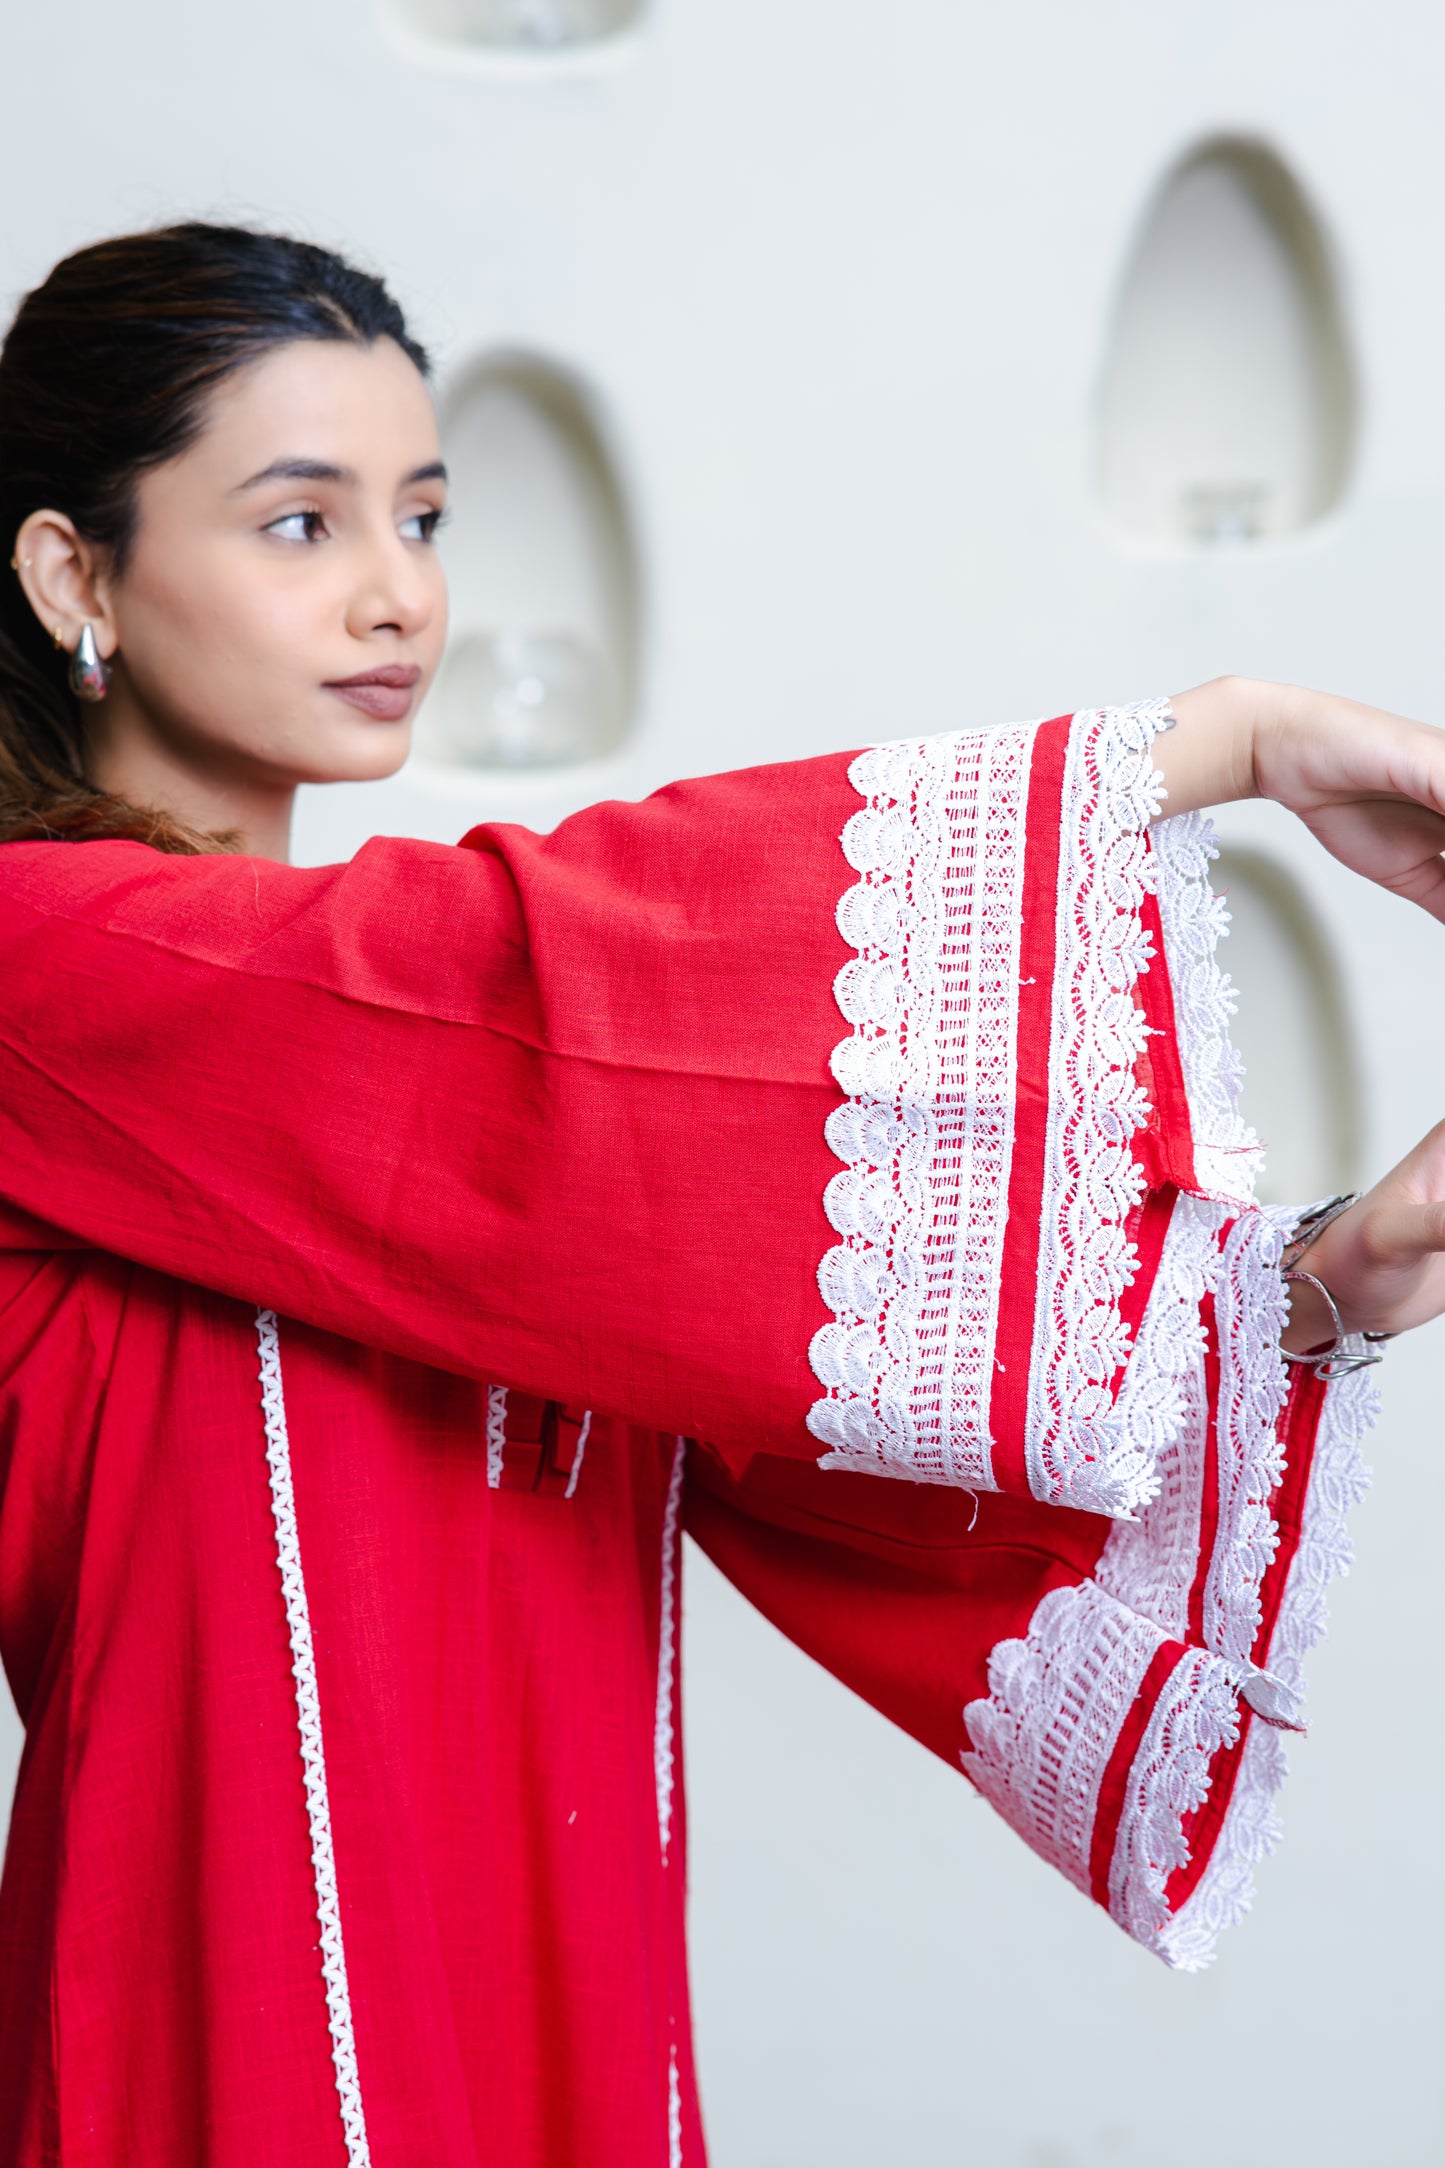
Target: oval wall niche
1227,402
1302,1085
541,667
522,26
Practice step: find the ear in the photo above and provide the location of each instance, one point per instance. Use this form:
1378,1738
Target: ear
66,581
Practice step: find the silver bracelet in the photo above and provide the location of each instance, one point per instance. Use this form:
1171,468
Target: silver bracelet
1312,1224
1337,1360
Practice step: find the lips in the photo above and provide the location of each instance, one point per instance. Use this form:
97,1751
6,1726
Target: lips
384,693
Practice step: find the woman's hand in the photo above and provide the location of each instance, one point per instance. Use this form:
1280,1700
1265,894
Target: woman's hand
1369,785
1384,1259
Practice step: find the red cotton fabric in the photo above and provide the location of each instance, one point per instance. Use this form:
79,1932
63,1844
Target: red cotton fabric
395,1256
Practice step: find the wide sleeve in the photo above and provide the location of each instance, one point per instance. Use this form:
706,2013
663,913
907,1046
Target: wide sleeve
877,1107
1117,1690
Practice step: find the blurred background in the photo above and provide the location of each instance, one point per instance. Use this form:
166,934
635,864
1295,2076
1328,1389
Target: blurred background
821,371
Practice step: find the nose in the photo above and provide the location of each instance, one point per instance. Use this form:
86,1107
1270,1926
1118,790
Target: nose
397,589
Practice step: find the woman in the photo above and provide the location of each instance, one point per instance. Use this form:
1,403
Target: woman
345,1638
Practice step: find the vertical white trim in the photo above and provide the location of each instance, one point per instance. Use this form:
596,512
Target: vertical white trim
582,1436
1091,1181
1195,1715
496,1434
313,1758
1338,1481
674,2112
662,1747
926,1134
662,1741
1151,1563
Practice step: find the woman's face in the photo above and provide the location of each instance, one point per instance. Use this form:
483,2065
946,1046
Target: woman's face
283,609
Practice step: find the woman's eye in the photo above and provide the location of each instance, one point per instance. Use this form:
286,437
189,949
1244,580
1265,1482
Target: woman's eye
299,527
422,526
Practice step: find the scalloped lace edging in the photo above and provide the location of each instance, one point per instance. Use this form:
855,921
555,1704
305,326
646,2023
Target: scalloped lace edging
1153,1563
1339,1480
1227,1153
1076,1454
1056,1700
1150,1562
926,1133
1058,1697
1196,1714
1252,1309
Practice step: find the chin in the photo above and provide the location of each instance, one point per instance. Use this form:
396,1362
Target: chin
380,753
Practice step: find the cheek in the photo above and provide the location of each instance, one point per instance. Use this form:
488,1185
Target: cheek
208,626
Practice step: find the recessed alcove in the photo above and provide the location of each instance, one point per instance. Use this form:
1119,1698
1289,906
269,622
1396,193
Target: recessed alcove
541,667
1227,404
521,26
1302,1086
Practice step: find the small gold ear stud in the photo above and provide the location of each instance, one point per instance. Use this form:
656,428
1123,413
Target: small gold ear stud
59,636
18,564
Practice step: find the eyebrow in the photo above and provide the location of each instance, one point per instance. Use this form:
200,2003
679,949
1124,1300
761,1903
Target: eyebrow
322,470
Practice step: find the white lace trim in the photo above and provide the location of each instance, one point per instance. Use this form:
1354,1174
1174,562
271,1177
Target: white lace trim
926,1135
1227,1152
1338,1481
662,1743
1057,1698
313,1758
496,1434
927,1132
1252,1309
1196,1714
1076,1454
1151,1563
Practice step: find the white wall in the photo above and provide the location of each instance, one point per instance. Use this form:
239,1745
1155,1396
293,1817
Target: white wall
839,279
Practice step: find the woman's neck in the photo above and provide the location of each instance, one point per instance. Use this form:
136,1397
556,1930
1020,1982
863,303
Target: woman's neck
129,758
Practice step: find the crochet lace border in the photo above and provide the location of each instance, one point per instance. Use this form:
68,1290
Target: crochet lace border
1339,1480
1059,1696
926,1132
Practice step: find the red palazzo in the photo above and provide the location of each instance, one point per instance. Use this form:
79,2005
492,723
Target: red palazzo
395,1256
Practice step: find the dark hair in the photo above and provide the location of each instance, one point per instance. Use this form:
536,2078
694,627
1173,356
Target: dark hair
104,373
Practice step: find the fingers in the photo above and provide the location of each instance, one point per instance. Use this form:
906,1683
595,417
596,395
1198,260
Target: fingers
1423,884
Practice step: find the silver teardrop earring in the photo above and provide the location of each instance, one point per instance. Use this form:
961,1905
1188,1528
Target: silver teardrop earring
89,676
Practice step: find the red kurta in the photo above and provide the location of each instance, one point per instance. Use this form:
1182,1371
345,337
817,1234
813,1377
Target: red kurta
350,1824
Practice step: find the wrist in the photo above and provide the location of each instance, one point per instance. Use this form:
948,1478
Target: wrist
1211,757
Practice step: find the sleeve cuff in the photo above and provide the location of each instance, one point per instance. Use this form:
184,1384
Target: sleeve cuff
1038,1038
1133,1735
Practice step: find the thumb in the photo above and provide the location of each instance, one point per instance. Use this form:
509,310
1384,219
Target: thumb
1400,1230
